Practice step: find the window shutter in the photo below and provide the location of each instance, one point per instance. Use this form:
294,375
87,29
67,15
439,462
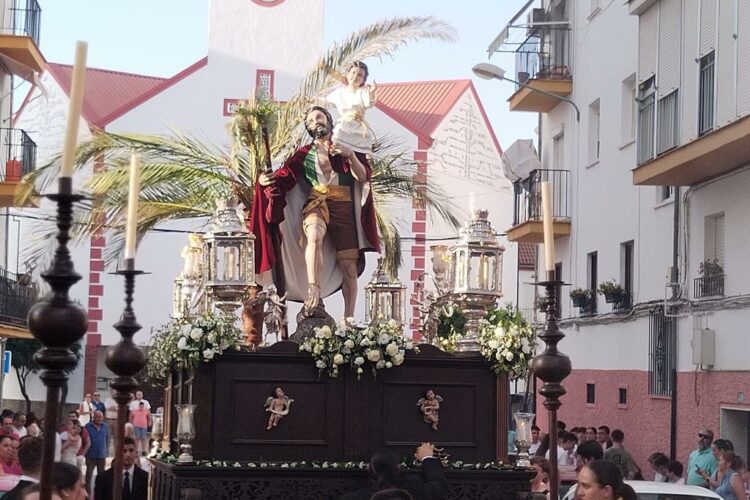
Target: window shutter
670,24
708,26
689,84
719,240
743,59
647,38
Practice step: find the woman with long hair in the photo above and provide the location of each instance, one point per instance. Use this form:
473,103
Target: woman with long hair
602,480
540,482
8,458
730,486
67,484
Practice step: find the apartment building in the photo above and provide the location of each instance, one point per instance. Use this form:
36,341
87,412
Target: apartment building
644,136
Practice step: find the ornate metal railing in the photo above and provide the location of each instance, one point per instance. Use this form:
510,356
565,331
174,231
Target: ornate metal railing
17,154
16,297
23,19
708,286
528,196
545,54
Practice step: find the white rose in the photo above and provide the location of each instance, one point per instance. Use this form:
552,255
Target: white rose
349,344
526,349
373,355
338,359
364,342
499,355
320,364
327,333
499,331
318,333
380,365
185,330
391,349
392,323
318,349
493,344
384,338
409,346
509,356
388,364
209,354
196,334
307,347
212,337
398,359
359,361
182,343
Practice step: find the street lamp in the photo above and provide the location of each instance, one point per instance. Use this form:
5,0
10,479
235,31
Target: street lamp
487,71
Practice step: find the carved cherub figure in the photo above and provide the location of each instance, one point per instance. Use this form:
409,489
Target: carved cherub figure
430,407
278,405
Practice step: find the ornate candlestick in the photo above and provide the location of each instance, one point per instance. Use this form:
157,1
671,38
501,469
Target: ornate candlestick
551,367
57,322
125,359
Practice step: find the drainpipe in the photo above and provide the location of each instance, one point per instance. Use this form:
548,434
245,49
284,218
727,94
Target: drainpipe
675,294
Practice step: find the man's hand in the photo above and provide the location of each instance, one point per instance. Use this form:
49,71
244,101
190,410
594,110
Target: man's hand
424,450
267,178
340,149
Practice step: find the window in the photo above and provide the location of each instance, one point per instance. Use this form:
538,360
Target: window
706,94
629,110
626,269
558,152
622,396
594,131
590,394
662,352
592,279
664,193
264,84
714,239
668,129
646,117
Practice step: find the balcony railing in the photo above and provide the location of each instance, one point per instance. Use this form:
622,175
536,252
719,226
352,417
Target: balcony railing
23,19
528,196
668,125
16,298
545,55
708,286
17,154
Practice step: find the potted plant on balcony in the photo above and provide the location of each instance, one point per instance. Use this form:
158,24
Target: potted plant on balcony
613,293
709,268
711,281
581,297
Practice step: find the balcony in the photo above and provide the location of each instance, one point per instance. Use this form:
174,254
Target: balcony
19,39
708,286
17,158
16,297
542,63
527,208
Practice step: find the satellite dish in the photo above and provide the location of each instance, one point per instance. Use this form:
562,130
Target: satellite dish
520,159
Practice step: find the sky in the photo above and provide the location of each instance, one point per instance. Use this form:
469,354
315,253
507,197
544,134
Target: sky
162,37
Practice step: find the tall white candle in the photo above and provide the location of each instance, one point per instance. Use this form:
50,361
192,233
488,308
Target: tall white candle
132,222
74,109
549,237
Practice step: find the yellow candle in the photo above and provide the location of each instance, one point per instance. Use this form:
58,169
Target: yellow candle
549,238
132,223
74,109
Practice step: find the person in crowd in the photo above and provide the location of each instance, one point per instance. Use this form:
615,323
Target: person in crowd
64,433
30,459
67,484
602,435
384,469
7,428
590,433
588,451
731,486
565,449
96,400
141,420
138,400
535,442
135,480
544,443
580,433
674,472
19,424
32,425
702,461
717,447
658,462
110,413
72,445
602,480
618,455
85,410
540,482
96,451
8,458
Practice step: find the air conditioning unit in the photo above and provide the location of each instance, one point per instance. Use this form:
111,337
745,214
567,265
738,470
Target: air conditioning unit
704,347
535,16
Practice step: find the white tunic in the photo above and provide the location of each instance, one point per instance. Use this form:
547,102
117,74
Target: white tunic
351,129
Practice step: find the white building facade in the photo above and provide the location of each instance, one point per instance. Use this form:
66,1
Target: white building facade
631,71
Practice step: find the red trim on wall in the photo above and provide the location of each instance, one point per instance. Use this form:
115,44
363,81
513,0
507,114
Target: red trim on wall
93,303
271,73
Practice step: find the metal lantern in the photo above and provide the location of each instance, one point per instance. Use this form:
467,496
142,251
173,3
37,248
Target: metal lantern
228,254
476,274
178,310
523,439
441,258
385,297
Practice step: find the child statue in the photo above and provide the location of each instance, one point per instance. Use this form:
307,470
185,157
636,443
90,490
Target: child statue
430,408
351,101
278,405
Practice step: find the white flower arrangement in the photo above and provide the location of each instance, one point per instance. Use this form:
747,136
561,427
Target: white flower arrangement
383,345
507,341
184,343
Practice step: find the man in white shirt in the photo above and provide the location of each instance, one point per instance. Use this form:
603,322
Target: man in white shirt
535,442
19,423
565,449
138,399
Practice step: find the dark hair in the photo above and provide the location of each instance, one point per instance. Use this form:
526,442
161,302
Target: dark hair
723,445
617,435
6,413
543,464
30,453
627,493
535,427
5,436
18,414
734,461
361,65
543,446
560,425
675,468
568,437
384,469
658,459
31,418
312,132
591,429
127,440
604,428
392,494
607,474
65,476
590,450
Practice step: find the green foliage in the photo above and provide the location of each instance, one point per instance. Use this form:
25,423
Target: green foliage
710,267
507,341
581,293
451,326
610,288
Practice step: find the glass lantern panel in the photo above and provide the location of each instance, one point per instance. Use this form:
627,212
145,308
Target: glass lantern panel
397,306
228,263
462,269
